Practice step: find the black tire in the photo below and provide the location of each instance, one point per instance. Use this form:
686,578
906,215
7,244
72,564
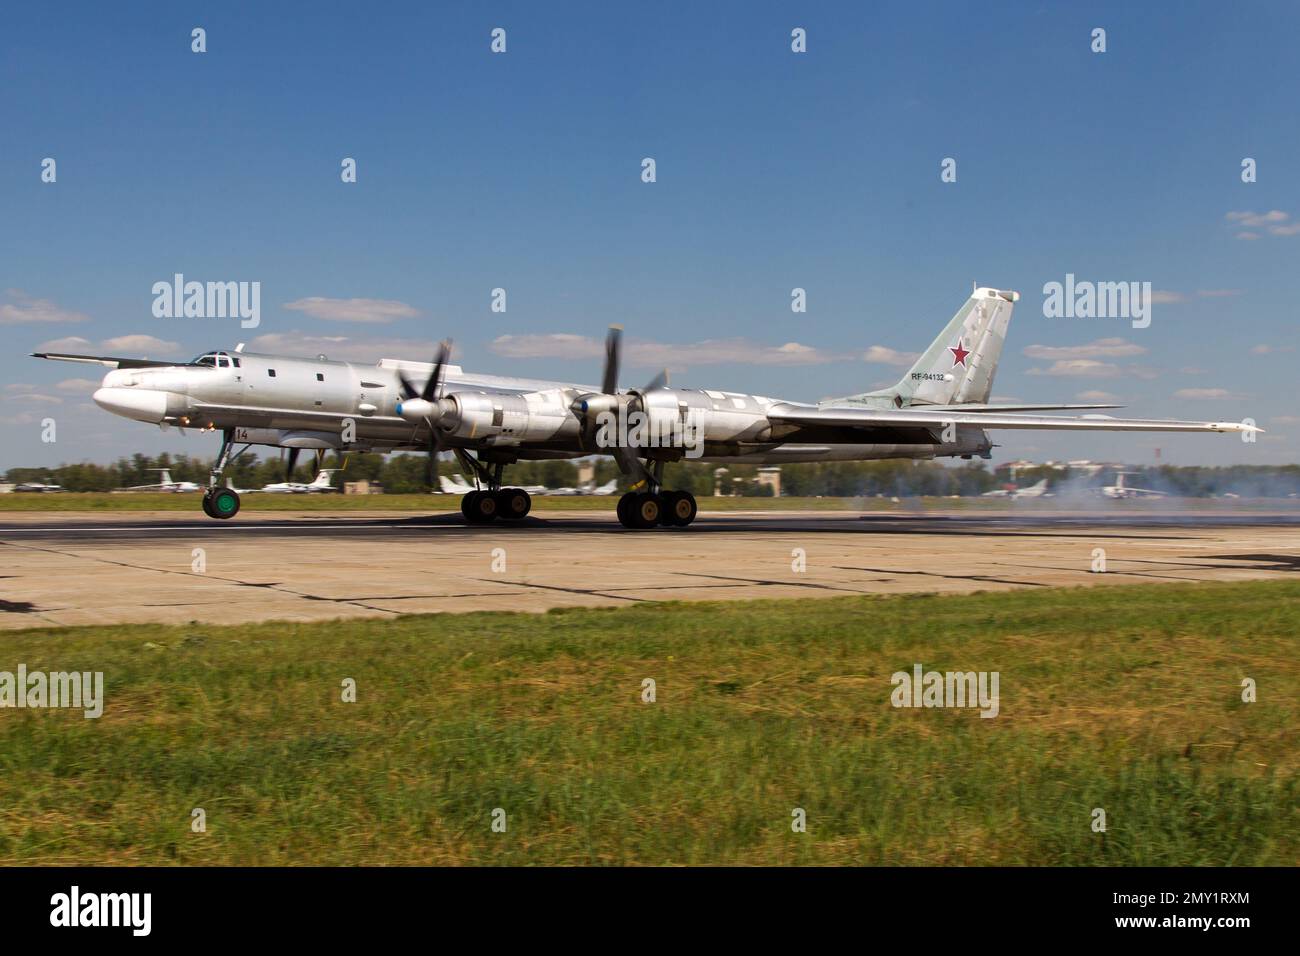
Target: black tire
679,509
223,504
479,507
645,511
207,503
624,509
513,503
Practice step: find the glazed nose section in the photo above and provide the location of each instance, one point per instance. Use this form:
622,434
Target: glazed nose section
141,404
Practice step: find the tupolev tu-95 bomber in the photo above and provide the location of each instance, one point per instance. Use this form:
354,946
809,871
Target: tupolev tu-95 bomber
940,408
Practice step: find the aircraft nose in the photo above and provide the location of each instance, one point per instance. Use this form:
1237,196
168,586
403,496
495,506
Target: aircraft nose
141,404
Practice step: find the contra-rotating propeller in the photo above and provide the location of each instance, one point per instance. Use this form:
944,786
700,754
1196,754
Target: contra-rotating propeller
422,404
591,405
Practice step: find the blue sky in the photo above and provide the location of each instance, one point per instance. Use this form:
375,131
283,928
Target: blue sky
775,170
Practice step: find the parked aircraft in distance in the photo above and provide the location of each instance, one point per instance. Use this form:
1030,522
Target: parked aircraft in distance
940,408
1033,491
457,485
37,487
164,483
1121,490
318,485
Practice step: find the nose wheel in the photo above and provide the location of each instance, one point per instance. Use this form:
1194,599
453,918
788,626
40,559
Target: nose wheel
220,503
670,509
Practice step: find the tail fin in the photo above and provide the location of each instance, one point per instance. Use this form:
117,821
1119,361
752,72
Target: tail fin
958,367
322,480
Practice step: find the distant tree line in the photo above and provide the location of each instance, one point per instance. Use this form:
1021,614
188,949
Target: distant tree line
405,474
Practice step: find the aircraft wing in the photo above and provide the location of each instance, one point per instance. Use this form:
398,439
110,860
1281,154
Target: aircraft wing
105,360
928,417
983,409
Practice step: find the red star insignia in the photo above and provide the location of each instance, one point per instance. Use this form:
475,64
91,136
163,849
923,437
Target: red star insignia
958,355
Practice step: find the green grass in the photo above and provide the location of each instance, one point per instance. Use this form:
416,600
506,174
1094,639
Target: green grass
435,504
144,501
1126,699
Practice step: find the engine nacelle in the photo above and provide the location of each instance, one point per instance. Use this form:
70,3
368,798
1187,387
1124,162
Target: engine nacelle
507,419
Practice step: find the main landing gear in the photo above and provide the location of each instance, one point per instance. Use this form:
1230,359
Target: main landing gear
670,509
654,507
483,507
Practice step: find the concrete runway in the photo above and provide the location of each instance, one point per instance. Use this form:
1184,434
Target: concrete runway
82,568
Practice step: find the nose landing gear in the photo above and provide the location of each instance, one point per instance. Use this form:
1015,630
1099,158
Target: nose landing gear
220,501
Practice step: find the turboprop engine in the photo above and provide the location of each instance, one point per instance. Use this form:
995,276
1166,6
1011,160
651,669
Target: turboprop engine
497,418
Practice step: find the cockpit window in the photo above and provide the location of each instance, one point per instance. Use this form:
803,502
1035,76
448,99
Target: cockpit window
208,358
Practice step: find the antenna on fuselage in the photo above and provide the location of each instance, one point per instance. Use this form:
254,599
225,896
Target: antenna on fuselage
239,347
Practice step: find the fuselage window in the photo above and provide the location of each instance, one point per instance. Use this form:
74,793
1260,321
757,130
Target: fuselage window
320,377
271,372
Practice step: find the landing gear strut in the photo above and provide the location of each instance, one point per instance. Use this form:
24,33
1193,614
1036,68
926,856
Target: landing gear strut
484,507
220,501
655,507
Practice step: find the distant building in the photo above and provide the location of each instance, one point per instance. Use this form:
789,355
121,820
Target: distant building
771,477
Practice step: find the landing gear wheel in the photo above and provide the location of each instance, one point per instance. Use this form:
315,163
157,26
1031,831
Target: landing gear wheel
679,509
207,503
221,503
513,503
479,507
645,510
622,509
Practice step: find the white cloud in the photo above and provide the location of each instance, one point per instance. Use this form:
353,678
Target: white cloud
1275,222
1286,419
72,343
881,355
1078,368
24,309
77,385
642,354
1101,348
370,311
554,345
1199,394
1265,349
1096,395
34,397
343,347
1166,297
1217,293
140,343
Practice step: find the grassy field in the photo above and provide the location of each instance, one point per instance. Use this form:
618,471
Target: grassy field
432,504
88,501
1127,699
